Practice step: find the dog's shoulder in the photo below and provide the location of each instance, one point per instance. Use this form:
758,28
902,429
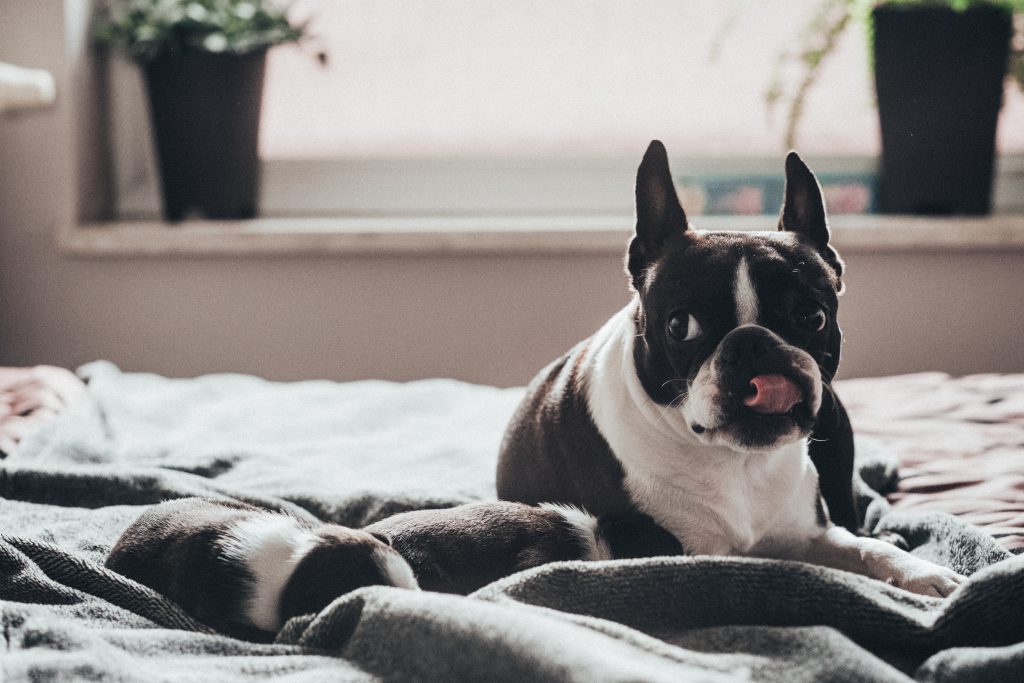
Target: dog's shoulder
552,439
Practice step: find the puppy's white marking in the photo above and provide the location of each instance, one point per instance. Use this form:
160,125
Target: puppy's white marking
746,295
585,526
270,546
395,569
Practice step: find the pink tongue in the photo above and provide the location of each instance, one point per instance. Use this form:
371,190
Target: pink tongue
773,394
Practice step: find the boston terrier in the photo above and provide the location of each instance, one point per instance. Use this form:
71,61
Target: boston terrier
706,403
461,549
245,571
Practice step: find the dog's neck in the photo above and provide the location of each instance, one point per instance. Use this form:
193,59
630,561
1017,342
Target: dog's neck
633,423
718,499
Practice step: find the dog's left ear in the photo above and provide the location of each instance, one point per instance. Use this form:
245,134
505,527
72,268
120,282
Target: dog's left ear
659,214
803,212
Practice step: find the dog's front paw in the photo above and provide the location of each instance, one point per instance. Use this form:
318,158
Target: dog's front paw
915,575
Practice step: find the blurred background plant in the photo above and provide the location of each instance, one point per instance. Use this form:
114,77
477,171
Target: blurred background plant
797,68
203,64
147,29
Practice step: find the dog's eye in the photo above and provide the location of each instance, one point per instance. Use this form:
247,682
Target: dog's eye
684,327
810,317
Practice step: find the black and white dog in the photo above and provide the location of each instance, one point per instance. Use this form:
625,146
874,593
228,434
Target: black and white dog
699,419
706,402
244,571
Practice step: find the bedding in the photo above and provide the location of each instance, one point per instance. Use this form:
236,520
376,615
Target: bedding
960,443
354,453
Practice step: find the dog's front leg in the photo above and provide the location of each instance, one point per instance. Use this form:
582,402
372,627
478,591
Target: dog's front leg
838,548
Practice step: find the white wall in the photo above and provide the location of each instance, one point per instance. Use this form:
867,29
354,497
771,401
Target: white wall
483,319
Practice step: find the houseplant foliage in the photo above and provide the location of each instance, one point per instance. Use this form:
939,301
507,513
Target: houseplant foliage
939,68
820,35
147,29
203,63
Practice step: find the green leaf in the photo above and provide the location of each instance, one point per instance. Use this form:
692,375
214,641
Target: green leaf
147,29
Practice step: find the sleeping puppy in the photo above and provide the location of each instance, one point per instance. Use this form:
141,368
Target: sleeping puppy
245,571
462,549
706,402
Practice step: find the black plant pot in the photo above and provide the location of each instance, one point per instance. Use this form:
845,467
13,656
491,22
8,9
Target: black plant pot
939,76
205,109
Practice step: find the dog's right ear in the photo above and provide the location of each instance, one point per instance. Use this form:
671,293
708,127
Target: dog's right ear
658,211
803,212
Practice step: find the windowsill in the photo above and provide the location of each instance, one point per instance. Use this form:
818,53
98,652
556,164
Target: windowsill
483,235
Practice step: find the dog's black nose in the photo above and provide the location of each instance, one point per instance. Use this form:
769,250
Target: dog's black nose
747,343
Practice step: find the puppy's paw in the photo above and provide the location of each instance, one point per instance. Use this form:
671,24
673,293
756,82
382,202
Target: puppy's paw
916,575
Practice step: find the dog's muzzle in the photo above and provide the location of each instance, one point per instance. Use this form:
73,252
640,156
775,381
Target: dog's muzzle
755,392
762,373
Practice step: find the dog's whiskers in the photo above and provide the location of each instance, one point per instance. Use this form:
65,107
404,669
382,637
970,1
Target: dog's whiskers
673,404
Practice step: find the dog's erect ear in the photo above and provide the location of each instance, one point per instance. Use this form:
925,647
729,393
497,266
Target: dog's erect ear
658,212
803,211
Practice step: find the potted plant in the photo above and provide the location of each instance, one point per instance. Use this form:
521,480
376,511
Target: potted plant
203,63
939,69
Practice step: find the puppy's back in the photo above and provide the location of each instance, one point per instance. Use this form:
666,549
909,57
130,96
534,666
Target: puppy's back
243,570
461,549
175,549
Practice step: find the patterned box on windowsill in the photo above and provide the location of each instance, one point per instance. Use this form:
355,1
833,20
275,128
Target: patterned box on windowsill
746,195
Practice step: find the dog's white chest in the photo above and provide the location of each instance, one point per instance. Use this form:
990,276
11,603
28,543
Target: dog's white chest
730,504
713,499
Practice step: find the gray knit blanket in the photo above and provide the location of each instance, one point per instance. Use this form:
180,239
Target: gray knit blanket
354,453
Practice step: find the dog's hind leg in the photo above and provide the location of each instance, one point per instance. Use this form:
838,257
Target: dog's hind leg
634,534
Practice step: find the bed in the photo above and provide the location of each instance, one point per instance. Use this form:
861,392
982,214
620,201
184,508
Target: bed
941,461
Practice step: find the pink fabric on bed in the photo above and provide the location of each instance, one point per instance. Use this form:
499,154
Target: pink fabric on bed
960,443
32,397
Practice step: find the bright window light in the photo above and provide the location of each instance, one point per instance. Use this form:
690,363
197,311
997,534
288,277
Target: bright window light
575,78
